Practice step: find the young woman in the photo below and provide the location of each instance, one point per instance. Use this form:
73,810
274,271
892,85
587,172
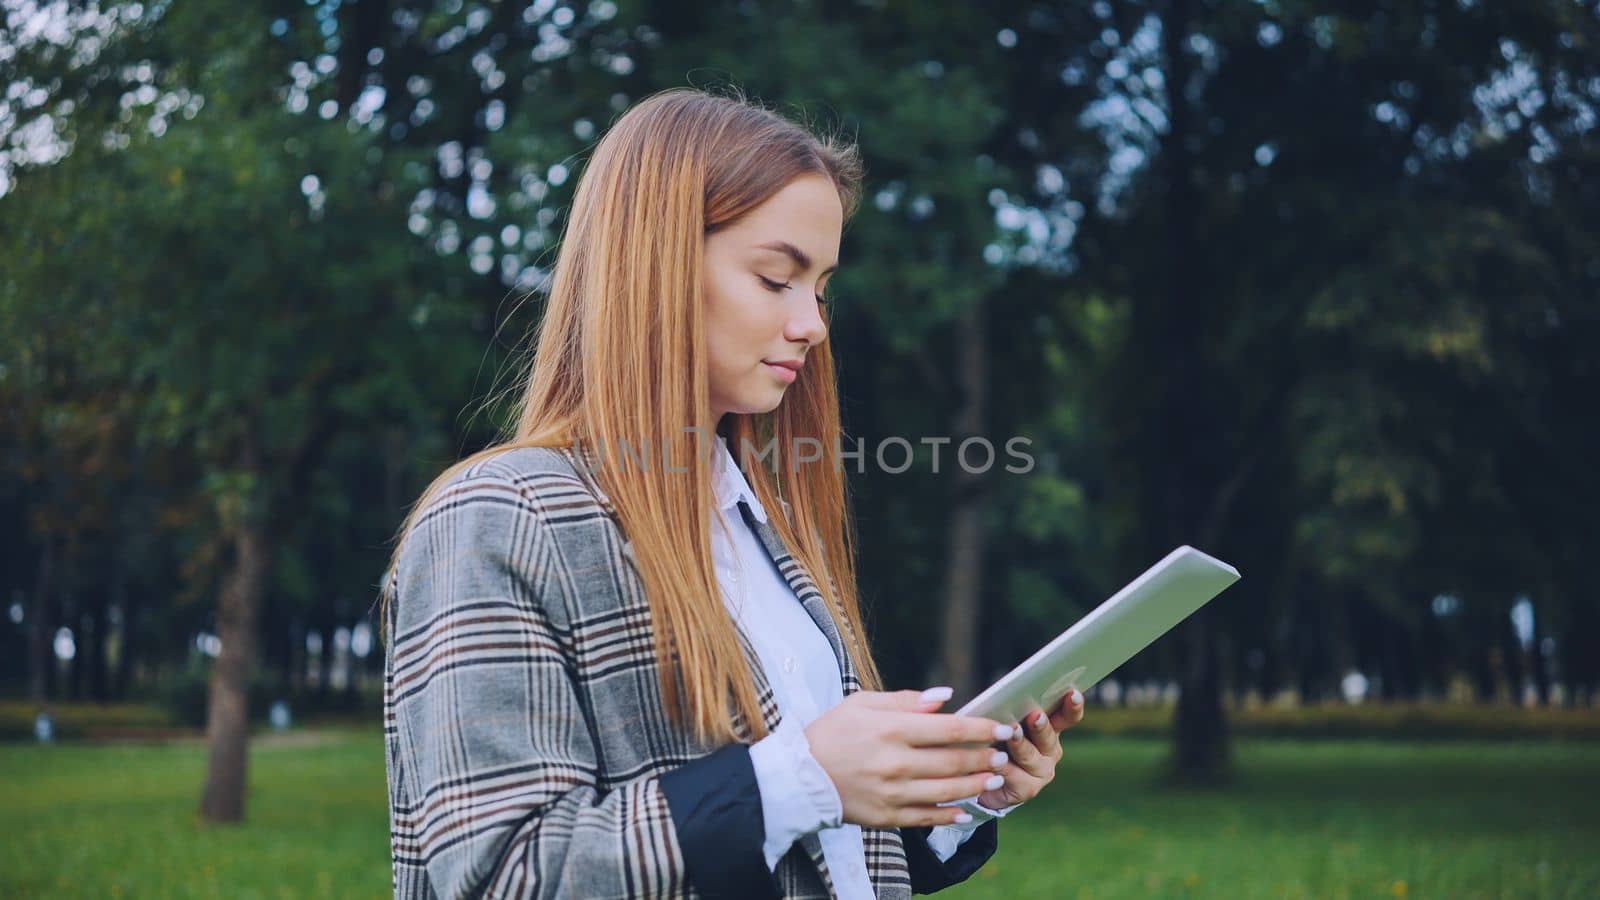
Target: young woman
624,657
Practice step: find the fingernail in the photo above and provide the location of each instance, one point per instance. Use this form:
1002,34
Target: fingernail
1074,696
963,818
1038,720
936,695
1003,732
998,759
994,782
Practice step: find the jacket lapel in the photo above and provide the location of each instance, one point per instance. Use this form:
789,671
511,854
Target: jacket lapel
805,589
764,695
816,607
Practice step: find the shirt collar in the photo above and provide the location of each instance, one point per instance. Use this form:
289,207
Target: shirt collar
729,483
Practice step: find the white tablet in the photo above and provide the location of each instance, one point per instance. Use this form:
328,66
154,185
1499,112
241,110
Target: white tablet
1108,636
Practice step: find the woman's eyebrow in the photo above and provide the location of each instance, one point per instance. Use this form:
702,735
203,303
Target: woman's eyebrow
800,257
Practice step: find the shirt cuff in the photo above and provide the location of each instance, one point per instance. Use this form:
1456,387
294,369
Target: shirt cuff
944,840
797,796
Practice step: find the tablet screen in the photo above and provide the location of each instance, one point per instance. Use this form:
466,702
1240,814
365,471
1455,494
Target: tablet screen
1166,594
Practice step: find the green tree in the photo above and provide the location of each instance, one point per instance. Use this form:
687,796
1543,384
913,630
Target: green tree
258,293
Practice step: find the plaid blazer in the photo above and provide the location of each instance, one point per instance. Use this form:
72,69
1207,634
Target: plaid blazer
526,741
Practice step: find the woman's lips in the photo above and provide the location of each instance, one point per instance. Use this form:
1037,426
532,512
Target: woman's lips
786,374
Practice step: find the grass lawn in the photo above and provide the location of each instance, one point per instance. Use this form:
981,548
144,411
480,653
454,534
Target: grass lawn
1312,819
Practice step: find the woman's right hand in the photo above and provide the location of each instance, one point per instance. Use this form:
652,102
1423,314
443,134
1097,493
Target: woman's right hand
893,759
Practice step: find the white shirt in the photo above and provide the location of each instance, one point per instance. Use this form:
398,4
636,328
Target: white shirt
797,796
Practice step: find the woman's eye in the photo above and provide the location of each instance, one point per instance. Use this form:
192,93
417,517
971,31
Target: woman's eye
780,286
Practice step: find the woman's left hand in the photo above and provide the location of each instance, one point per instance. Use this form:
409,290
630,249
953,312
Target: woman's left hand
1035,749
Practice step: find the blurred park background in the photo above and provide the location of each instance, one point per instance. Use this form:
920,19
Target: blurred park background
1314,287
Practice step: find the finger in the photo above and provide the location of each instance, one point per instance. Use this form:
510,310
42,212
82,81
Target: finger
1069,712
917,816
924,791
1019,787
1024,753
945,762
904,701
939,729
1042,735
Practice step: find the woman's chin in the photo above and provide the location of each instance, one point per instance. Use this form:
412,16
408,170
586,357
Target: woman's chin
762,402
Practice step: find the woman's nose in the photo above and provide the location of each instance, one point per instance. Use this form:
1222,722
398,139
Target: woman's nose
807,324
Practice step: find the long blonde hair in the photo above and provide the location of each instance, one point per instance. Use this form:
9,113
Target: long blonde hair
620,358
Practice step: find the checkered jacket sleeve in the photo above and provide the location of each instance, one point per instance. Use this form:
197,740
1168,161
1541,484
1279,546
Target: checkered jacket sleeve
499,794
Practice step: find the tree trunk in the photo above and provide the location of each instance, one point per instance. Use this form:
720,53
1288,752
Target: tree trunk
99,684
325,668
1578,653
41,653
1179,508
227,718
1513,655
1200,746
964,539
126,640
1483,673
1540,663
74,619
295,675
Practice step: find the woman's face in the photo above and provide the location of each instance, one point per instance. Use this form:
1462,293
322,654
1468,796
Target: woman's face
763,277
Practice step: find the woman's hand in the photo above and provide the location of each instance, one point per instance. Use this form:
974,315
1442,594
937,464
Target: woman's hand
893,760
1035,749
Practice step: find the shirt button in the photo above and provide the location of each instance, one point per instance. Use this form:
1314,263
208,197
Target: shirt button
788,664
